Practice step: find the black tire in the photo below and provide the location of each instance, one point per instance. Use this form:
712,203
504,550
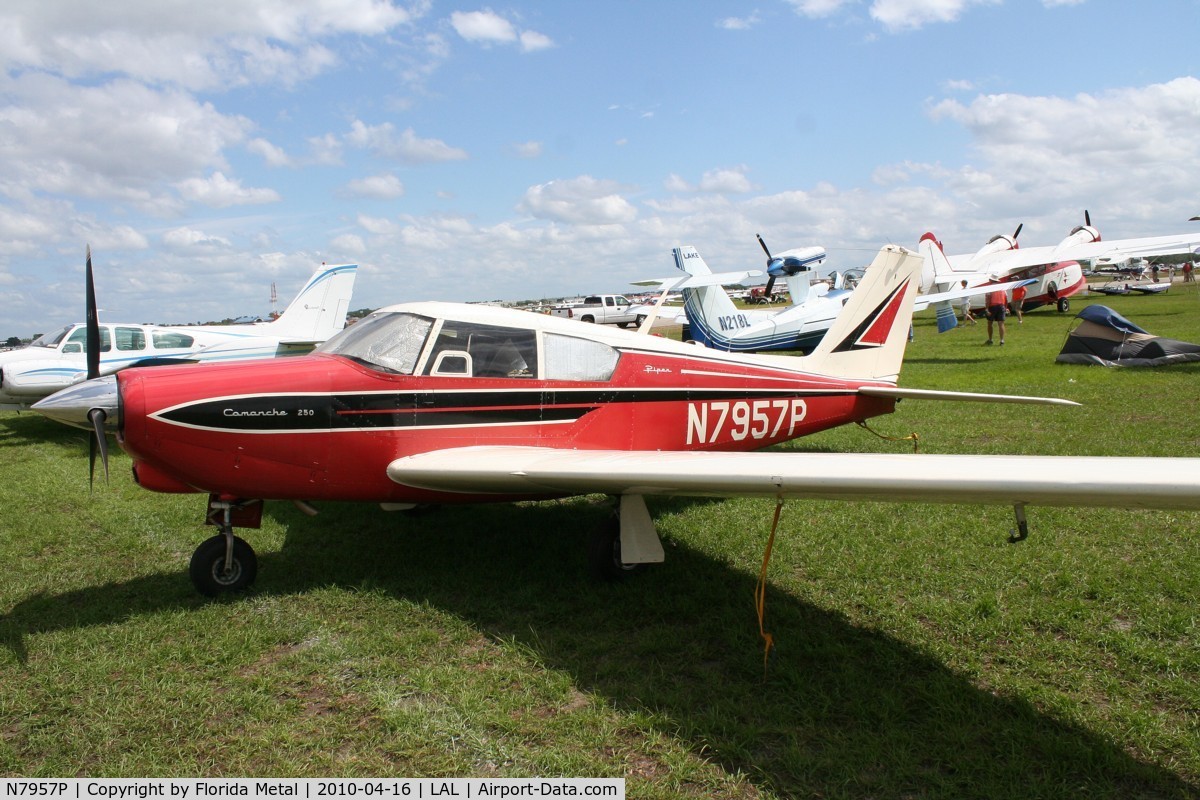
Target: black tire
207,569
1064,305
604,553
588,318
640,319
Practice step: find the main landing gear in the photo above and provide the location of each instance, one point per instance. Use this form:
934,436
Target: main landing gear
625,541
225,562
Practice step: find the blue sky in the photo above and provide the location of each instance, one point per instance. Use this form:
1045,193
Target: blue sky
525,150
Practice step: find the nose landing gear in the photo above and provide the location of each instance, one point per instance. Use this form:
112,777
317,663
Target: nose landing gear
225,562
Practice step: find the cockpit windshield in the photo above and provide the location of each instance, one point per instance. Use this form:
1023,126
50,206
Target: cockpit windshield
51,339
385,340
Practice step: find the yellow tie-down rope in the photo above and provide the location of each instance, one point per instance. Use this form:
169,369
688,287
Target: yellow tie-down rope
760,591
913,437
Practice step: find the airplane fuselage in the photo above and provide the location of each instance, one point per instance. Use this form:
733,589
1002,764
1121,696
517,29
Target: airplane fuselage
326,427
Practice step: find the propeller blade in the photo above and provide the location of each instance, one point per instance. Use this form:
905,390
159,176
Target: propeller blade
764,247
93,321
1087,218
98,441
1017,232
770,285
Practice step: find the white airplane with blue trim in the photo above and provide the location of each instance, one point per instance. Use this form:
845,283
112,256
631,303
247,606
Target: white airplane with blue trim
56,360
716,322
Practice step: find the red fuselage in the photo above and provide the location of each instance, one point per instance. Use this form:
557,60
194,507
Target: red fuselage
325,427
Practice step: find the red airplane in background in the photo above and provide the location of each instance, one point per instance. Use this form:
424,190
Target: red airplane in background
447,403
1055,269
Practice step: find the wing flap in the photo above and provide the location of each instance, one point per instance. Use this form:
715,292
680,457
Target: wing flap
1160,483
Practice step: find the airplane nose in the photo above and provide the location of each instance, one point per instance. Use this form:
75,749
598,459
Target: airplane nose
73,405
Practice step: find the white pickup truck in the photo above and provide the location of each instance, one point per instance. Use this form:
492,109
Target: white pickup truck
607,309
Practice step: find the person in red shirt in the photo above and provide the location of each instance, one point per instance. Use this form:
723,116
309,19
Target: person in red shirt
1018,300
997,308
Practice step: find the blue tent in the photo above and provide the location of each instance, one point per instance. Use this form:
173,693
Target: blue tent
1107,338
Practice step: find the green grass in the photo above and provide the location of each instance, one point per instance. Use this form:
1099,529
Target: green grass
918,653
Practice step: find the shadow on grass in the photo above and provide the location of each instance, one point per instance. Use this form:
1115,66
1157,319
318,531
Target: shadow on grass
843,711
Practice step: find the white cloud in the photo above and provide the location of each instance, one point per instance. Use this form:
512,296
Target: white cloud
219,43
219,191
902,15
272,155
116,140
819,8
487,27
406,147
717,181
530,149
739,23
349,243
189,238
377,187
582,200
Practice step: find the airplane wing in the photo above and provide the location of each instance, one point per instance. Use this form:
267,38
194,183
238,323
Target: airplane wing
923,301
1179,244
1161,483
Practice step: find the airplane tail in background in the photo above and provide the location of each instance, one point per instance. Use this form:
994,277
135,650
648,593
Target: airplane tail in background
319,311
867,340
935,267
703,304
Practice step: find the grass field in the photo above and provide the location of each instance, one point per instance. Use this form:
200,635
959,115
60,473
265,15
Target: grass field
918,653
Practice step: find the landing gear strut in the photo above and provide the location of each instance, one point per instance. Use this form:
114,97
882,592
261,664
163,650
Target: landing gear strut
225,562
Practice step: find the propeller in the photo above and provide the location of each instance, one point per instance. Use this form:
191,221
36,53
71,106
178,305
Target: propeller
96,416
1087,218
1017,232
770,277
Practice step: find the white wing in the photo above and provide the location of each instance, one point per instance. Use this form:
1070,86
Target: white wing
1161,483
1009,260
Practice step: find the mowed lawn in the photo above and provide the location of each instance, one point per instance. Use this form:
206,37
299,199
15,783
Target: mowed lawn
919,654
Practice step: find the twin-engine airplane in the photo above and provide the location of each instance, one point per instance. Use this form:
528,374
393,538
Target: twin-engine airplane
57,360
447,403
1054,271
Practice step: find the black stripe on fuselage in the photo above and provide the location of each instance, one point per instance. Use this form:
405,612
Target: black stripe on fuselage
276,413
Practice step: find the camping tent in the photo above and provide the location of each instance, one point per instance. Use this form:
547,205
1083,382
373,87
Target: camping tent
1106,338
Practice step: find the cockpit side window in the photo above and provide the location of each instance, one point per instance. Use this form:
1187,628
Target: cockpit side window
131,338
390,341
80,337
483,351
567,358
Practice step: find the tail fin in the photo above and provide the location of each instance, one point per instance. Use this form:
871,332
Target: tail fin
703,304
867,340
936,267
319,311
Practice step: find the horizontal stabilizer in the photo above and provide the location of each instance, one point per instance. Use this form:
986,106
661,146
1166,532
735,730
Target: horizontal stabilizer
677,282
970,397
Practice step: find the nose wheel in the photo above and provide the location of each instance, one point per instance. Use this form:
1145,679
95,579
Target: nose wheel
223,563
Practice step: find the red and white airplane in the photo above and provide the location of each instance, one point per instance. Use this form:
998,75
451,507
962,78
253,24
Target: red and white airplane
447,403
1055,269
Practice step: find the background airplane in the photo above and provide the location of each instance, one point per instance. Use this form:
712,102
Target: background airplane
57,359
1055,270
714,321
450,403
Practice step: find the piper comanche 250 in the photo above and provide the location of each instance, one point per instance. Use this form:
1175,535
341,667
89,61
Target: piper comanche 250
447,403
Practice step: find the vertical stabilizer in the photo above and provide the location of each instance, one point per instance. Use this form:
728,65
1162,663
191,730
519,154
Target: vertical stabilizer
704,304
935,268
867,340
319,311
